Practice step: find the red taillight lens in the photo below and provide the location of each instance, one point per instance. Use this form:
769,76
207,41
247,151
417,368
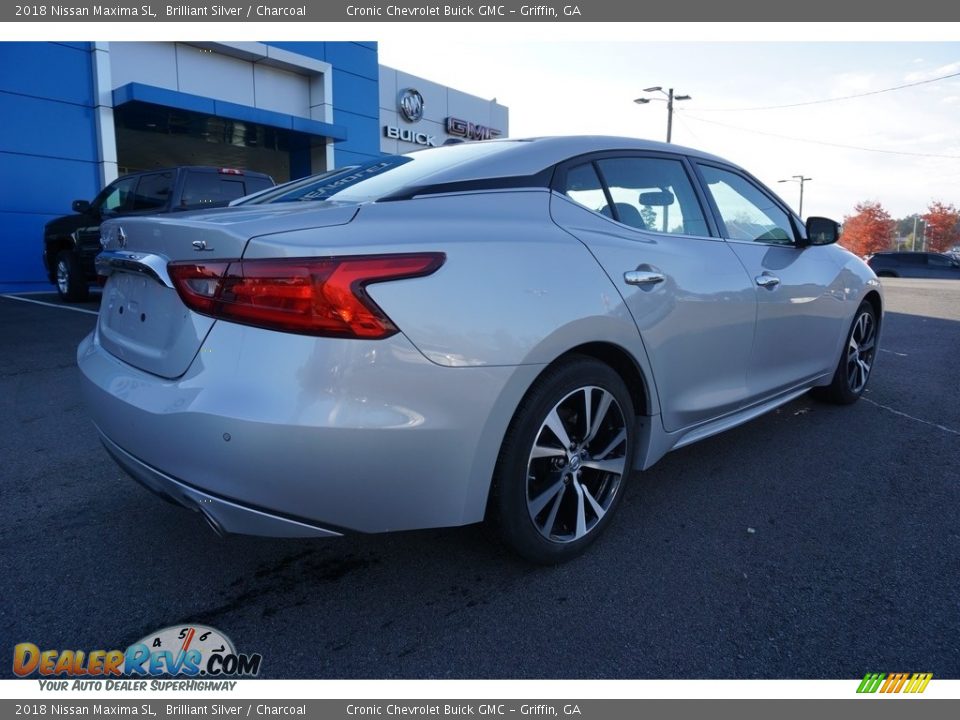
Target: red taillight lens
311,296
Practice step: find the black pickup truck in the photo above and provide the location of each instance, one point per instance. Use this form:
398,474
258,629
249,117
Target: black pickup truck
71,242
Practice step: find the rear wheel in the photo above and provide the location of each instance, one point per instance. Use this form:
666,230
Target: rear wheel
856,361
564,461
71,282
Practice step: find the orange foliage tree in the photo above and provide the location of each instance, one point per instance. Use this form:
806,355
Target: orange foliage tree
870,229
942,227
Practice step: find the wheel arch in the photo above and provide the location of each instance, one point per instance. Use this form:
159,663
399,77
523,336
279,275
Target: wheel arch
621,362
876,302
53,246
873,297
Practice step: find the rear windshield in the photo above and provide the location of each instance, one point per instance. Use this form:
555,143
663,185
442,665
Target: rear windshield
381,177
203,190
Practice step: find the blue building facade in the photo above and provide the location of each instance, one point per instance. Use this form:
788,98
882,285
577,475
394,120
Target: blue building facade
76,115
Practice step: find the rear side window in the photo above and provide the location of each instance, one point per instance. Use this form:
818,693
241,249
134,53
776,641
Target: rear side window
583,187
940,261
153,191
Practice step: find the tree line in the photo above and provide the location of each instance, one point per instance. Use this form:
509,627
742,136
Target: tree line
870,229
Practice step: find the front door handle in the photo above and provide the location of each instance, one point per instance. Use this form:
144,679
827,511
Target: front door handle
643,277
767,280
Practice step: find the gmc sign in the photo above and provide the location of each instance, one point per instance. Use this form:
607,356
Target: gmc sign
469,131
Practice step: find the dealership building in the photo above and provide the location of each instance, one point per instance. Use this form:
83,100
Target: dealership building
78,115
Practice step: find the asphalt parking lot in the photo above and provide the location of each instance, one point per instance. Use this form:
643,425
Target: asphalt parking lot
815,542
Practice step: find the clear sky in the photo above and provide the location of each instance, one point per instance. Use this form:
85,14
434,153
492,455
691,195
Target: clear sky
567,87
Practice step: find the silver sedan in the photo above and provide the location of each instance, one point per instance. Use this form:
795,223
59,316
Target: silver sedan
504,330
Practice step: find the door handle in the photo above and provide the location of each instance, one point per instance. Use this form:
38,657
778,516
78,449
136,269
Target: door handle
643,277
767,280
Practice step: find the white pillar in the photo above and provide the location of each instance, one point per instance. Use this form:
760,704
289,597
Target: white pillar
103,113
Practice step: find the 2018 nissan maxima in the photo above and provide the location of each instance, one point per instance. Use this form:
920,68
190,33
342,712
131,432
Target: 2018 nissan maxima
505,328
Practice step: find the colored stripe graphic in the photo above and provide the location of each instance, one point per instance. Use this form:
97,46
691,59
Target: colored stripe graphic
894,683
918,683
871,681
898,680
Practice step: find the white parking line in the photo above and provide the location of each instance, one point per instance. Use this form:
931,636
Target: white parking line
911,417
53,305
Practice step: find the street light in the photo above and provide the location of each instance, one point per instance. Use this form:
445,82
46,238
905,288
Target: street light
922,242
670,98
800,179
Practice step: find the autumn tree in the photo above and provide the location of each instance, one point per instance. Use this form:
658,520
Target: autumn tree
942,227
870,229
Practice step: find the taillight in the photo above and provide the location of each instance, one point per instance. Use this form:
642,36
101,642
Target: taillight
310,296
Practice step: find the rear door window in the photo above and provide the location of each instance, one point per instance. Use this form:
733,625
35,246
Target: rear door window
646,193
653,194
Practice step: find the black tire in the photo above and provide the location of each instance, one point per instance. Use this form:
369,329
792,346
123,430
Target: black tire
856,359
71,283
550,508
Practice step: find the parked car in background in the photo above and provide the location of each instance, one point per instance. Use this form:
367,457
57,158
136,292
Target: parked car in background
503,329
915,265
71,242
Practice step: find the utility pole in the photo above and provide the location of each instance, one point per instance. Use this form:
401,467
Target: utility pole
800,179
670,99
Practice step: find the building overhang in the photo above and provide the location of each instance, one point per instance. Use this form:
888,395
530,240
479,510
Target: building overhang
139,92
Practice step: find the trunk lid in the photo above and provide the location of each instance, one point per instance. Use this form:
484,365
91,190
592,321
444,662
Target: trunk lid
142,319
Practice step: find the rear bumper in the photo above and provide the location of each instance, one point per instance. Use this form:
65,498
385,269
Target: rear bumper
222,515
287,435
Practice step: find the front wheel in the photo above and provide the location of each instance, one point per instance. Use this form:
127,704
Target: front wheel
565,460
856,360
71,282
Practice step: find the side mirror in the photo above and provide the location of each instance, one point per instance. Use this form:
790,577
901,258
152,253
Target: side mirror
81,206
822,231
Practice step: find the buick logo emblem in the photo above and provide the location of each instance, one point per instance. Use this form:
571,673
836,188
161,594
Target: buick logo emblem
411,105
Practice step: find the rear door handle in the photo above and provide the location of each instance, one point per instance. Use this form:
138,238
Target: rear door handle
643,277
767,280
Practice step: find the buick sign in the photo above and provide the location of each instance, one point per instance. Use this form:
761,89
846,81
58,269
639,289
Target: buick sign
411,105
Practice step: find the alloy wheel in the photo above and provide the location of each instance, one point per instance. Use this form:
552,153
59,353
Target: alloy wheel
576,464
860,351
63,277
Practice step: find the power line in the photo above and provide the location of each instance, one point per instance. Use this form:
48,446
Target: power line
820,142
836,99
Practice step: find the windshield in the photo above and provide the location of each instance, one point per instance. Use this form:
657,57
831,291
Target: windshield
381,177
